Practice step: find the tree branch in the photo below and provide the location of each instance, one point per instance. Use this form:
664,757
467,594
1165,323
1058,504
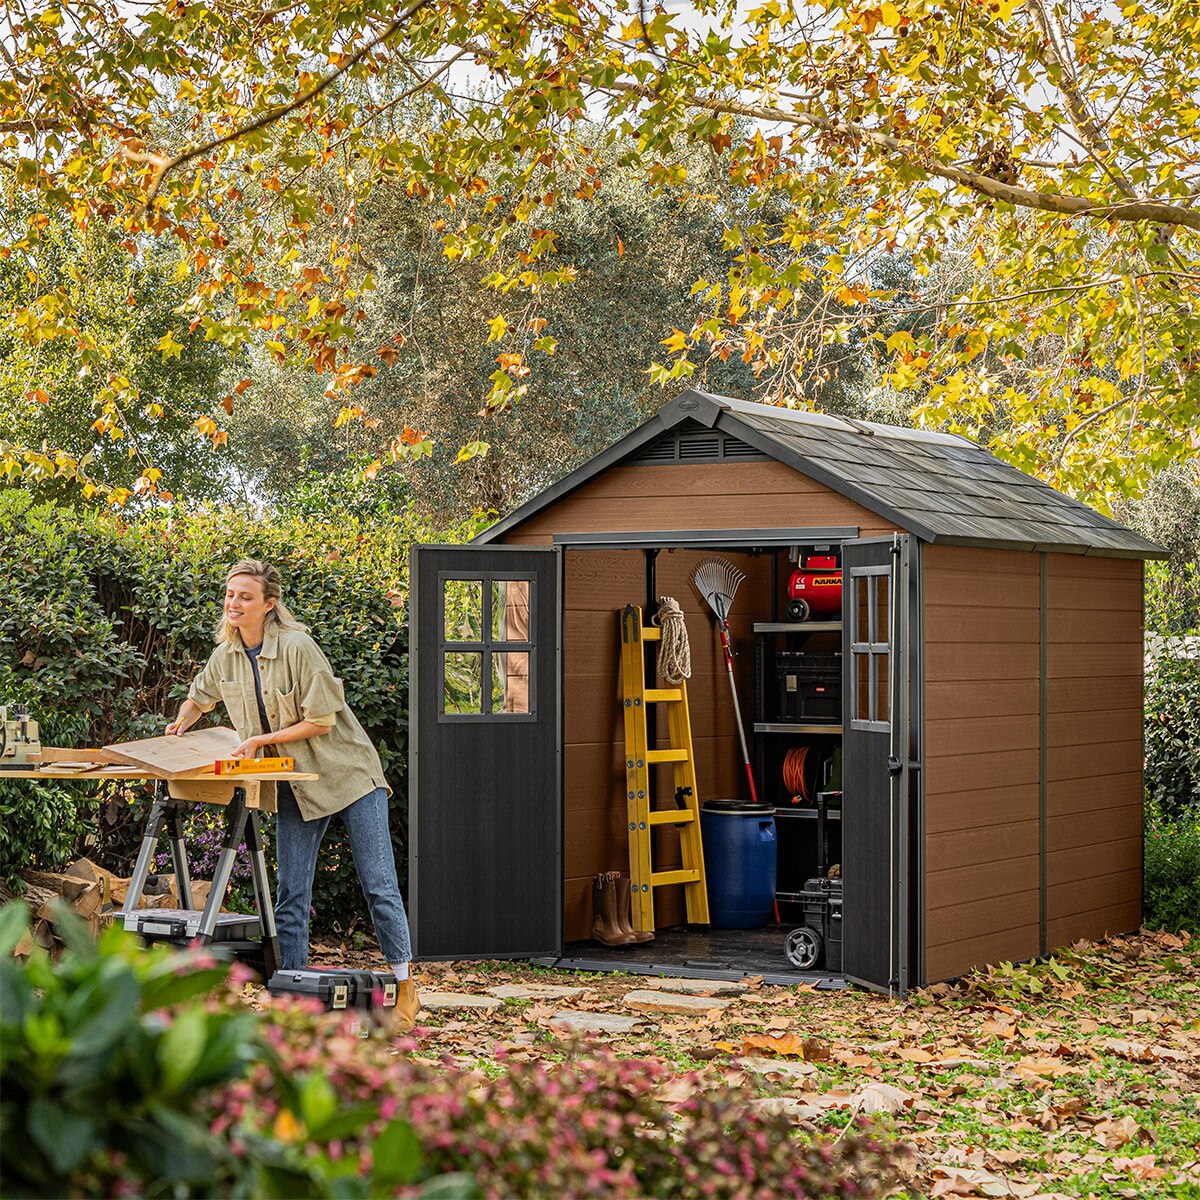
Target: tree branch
163,166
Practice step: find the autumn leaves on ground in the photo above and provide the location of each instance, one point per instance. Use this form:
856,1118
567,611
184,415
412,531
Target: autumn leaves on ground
1075,1077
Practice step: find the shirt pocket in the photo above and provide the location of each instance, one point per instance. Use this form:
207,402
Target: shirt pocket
288,706
237,704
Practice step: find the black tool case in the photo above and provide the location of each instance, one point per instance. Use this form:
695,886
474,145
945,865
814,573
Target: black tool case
822,901
337,988
810,686
181,925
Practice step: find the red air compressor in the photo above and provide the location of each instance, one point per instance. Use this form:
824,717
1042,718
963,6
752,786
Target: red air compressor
815,588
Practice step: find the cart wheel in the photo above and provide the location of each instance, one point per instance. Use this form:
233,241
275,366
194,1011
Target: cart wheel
803,948
797,610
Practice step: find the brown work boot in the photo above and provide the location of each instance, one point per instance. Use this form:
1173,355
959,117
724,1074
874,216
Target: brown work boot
605,928
625,911
408,1004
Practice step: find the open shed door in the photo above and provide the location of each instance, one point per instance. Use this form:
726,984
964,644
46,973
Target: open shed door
875,665
484,824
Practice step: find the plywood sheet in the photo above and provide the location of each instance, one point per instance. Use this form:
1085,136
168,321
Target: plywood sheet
172,757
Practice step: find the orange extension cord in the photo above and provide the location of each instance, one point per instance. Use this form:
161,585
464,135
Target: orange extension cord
794,776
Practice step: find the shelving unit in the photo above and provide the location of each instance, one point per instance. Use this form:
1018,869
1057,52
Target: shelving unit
797,825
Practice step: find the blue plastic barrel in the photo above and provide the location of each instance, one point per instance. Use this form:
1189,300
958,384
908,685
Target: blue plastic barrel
739,861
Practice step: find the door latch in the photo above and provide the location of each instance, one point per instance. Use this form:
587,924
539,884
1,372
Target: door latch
895,766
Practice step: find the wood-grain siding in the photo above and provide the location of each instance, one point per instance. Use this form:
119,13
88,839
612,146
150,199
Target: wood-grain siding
982,646
1094,747
746,495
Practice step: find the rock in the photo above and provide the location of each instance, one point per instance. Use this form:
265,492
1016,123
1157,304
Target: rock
450,1001
588,1022
660,1001
776,1066
698,987
535,991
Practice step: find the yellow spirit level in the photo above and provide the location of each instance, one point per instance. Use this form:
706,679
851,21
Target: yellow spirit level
251,766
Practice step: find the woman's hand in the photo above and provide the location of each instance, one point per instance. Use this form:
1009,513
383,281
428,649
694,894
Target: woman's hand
187,716
250,747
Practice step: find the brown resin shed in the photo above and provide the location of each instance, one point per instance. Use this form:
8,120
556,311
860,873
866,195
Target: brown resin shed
988,743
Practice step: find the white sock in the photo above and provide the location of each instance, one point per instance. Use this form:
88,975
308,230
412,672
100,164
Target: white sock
401,970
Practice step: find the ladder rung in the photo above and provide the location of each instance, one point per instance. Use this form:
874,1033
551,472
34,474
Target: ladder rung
671,816
661,878
651,633
659,756
662,695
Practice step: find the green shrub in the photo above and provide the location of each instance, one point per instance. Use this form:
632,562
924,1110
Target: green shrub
106,621
109,1063
1172,773
1172,871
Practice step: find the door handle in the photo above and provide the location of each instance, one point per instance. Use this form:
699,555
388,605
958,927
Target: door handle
895,766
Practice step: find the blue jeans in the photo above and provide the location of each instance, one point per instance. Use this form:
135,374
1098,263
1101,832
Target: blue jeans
296,844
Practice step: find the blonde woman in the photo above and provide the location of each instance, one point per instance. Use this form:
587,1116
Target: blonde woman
280,691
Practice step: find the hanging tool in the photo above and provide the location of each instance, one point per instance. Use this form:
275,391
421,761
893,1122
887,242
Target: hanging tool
718,580
639,760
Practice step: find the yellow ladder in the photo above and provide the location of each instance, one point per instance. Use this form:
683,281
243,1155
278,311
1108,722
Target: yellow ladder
639,759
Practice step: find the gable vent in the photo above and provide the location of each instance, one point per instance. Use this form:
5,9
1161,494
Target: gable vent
693,443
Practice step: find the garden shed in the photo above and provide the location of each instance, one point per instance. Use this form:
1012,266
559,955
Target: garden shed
985,752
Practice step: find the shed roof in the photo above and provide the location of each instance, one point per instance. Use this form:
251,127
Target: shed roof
941,487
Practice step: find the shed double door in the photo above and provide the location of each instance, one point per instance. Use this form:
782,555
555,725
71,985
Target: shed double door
876,653
484,820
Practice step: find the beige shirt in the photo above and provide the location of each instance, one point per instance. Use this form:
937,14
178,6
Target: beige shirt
298,684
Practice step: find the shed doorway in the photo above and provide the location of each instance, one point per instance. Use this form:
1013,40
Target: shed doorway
809,724
517,752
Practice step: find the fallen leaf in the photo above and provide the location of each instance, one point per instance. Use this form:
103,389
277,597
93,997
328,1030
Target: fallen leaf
1115,1134
1050,1068
914,1054
966,1181
1144,1167
883,1097
787,1045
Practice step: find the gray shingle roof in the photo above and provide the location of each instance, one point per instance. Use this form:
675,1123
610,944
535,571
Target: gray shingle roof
939,486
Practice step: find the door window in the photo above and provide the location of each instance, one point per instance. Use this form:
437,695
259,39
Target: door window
870,648
487,653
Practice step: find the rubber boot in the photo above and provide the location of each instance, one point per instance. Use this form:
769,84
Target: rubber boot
605,928
624,910
408,1004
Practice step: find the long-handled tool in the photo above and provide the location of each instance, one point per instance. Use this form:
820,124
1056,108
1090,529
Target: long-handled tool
718,580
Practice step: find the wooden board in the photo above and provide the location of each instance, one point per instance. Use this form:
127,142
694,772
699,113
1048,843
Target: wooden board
170,757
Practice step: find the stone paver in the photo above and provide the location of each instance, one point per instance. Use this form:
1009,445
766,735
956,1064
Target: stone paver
699,987
658,1001
450,1001
587,1022
535,991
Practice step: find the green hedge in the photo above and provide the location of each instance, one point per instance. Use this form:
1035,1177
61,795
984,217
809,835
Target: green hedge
104,621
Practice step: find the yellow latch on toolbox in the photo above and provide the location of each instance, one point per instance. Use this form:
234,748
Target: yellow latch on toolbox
251,766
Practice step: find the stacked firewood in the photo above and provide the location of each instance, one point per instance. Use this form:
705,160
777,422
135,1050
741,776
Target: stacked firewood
94,894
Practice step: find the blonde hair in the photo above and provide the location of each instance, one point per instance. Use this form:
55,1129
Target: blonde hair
268,576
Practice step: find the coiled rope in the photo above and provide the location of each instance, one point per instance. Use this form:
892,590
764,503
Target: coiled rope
674,652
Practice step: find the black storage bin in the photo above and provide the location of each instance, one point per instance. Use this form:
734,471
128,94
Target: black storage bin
809,687
822,901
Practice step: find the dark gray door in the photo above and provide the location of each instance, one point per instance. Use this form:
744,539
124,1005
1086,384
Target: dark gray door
484,868
875,665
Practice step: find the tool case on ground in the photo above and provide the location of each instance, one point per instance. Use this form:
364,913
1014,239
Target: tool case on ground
336,987
183,924
810,686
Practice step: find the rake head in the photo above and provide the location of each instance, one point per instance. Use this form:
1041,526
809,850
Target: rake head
718,580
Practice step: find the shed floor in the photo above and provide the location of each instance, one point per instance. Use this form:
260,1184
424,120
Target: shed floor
699,953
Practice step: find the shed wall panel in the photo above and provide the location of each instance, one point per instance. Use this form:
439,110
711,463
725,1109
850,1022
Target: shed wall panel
1094,768
746,495
982,654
